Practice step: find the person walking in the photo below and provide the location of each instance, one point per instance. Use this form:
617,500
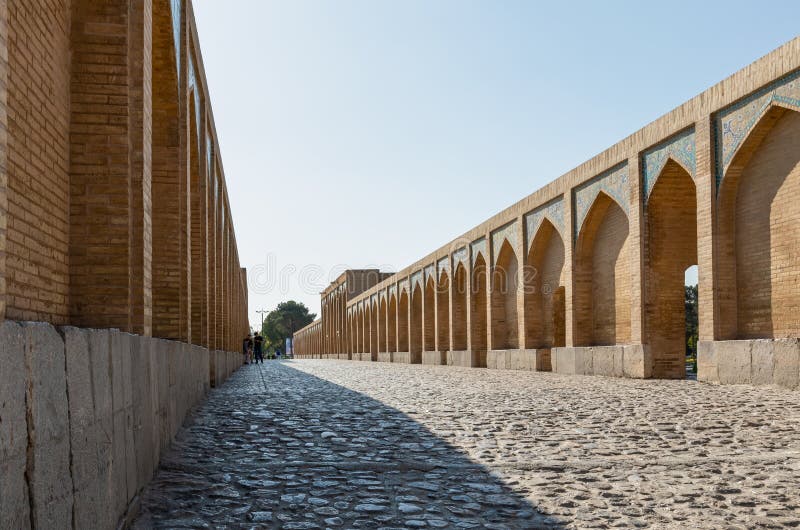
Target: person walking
258,343
247,348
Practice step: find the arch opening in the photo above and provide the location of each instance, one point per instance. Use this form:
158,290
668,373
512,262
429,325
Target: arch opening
505,322
443,313
415,330
602,276
402,323
460,287
760,267
671,248
478,327
429,310
391,326
374,336
545,296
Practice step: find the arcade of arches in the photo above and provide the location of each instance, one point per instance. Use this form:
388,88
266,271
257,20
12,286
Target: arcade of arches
586,275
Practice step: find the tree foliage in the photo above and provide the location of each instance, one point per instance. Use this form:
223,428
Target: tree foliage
691,320
283,321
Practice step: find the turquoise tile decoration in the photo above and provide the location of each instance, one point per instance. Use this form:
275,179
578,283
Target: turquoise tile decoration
613,183
680,147
505,233
734,123
479,247
553,211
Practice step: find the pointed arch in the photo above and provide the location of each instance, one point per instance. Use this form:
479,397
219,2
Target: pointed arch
415,329
374,333
670,248
383,325
759,270
478,324
602,276
391,324
443,312
460,287
429,310
402,321
545,299
504,291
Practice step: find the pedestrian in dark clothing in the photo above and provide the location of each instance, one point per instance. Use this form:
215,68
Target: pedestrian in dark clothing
258,344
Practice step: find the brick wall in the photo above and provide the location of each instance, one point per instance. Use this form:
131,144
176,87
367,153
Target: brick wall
95,196
37,273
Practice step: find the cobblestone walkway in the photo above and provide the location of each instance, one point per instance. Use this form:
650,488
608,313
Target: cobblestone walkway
337,444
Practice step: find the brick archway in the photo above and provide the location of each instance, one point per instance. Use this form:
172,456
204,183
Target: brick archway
602,276
544,290
759,204
374,334
391,325
460,288
402,322
443,312
671,248
429,327
478,324
415,328
505,322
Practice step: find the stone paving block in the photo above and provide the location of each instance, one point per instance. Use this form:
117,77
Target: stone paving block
84,431
734,361
787,363
48,472
14,504
762,362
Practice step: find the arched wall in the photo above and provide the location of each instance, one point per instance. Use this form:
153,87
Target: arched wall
402,322
505,323
545,290
671,247
478,299
461,286
758,224
415,329
443,312
429,310
602,276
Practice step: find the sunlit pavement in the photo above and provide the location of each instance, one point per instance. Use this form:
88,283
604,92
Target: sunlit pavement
340,444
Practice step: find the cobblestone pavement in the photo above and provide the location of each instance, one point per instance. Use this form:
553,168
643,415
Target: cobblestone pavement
339,444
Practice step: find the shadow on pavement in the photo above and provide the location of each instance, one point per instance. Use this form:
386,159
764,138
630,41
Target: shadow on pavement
276,447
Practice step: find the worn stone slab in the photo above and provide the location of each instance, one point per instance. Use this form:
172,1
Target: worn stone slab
786,372
466,358
563,360
14,504
385,357
142,409
434,358
707,369
734,361
607,361
48,472
762,362
84,431
637,361
123,471
100,355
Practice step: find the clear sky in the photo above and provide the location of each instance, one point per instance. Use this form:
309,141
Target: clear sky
364,133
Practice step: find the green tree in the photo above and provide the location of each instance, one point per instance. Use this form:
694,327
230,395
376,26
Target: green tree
283,321
691,321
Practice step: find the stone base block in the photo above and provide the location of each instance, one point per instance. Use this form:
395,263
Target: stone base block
344,356
434,357
407,357
468,358
755,362
385,357
535,359
632,361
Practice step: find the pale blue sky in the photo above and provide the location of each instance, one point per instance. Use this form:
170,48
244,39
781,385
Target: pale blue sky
360,133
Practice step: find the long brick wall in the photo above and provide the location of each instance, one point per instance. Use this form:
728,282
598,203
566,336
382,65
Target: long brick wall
586,275
114,210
